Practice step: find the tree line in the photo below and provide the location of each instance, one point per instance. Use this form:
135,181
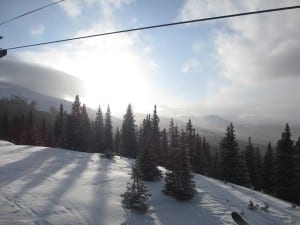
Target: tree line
180,150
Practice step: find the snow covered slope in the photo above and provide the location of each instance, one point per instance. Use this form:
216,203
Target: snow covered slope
40,185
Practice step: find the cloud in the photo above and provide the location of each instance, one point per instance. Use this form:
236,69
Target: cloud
258,56
192,65
40,29
197,46
252,48
74,8
195,9
273,100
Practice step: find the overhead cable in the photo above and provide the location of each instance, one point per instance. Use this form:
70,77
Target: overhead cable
30,12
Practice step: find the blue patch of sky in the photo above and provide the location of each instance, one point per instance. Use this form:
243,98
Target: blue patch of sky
57,24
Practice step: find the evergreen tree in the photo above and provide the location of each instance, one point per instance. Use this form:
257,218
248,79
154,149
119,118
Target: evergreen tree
250,161
174,140
147,156
171,182
216,166
179,180
191,142
30,133
285,168
74,122
258,170
155,135
268,170
99,132
243,175
208,158
84,130
170,175
108,134
232,166
164,147
128,135
199,158
136,196
76,105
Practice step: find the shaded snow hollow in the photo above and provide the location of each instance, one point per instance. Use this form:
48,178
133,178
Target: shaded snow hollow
44,186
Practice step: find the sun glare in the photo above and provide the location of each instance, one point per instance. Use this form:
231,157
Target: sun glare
121,82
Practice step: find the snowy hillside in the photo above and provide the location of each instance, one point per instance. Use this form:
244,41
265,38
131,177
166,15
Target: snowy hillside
40,185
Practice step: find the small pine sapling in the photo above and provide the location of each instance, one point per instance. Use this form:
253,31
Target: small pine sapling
136,196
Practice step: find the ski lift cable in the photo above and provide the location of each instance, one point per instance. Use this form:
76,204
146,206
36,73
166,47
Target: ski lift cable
30,12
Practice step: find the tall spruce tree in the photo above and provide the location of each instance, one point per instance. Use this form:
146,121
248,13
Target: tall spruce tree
244,178
199,156
164,147
155,135
108,133
74,122
174,139
191,141
215,173
268,170
232,165
99,132
208,157
170,176
30,133
84,130
128,134
258,170
285,168
147,156
250,161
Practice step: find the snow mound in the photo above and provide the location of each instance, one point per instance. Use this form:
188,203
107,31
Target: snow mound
5,143
40,185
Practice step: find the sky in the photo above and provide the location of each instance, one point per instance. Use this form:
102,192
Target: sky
244,68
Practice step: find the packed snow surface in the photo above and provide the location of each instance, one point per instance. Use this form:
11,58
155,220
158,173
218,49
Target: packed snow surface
44,186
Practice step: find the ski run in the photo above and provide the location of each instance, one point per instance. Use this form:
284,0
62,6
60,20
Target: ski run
44,186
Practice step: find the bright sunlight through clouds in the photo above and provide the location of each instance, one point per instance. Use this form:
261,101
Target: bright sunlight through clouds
110,68
113,69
